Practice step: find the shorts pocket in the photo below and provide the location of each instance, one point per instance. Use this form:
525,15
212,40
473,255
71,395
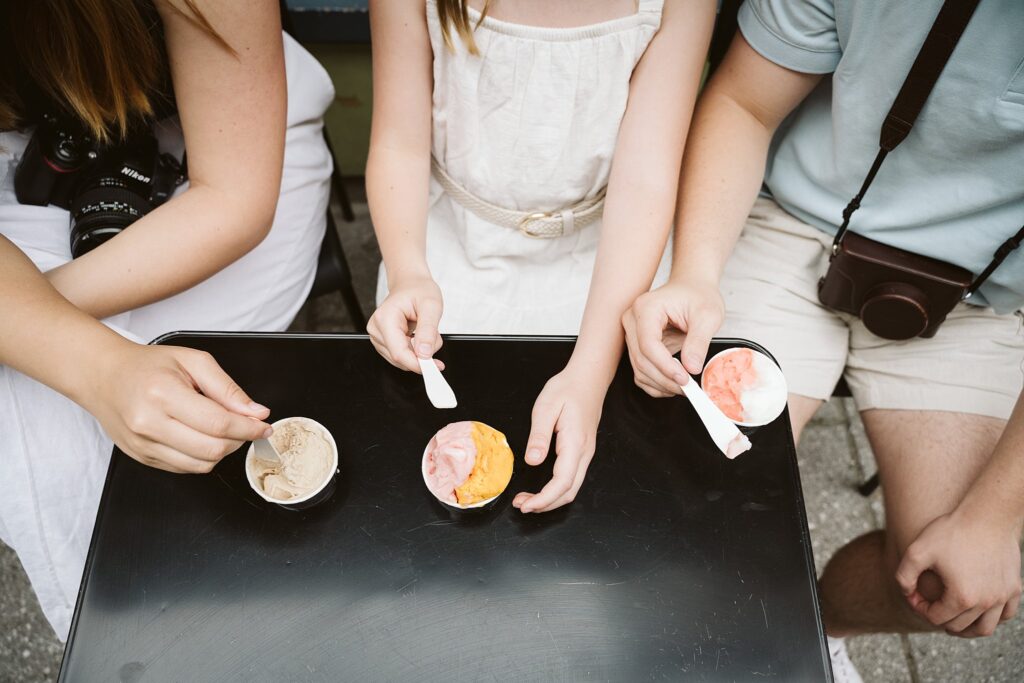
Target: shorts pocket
1015,90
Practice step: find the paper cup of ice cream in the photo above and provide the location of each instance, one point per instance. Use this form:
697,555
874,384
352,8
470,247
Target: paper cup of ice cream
746,385
305,475
467,466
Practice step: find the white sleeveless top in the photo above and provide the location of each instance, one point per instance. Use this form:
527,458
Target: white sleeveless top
530,125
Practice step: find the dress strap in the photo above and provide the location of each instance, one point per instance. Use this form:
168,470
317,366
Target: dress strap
650,6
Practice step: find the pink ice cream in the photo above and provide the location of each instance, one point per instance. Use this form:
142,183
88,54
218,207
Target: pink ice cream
450,457
746,385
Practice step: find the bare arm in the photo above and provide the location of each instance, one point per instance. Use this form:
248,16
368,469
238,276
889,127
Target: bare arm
398,179
637,219
168,407
723,167
232,109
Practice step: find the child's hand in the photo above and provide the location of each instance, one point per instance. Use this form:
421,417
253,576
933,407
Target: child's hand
677,316
171,408
412,304
569,405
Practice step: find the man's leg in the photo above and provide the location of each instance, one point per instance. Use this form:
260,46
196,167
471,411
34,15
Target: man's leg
801,410
927,460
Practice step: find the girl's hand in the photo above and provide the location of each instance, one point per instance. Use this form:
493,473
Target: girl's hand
679,316
172,408
570,406
413,304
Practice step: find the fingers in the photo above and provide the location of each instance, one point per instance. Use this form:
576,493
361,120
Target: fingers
985,625
206,417
1010,610
389,331
542,426
913,563
210,379
963,620
701,326
163,457
657,363
194,444
562,478
570,466
426,340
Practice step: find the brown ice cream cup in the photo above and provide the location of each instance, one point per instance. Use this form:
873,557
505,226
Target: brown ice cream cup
322,492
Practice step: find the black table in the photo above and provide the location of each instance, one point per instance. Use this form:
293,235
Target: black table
673,563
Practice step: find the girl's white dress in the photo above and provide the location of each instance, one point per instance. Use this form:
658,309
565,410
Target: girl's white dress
530,125
53,454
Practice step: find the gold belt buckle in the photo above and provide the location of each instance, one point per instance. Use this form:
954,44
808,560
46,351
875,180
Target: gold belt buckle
524,225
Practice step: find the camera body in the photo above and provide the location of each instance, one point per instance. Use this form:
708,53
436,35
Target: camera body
105,188
897,294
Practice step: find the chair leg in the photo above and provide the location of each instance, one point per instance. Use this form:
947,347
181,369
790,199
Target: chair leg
337,185
869,486
344,282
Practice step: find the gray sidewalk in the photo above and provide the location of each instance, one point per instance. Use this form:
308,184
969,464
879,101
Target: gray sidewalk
834,458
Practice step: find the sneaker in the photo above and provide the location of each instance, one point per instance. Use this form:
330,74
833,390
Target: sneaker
843,670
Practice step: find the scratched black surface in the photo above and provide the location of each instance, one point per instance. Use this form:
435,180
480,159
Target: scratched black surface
673,563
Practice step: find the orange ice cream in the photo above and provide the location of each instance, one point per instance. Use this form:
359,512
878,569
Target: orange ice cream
727,378
467,462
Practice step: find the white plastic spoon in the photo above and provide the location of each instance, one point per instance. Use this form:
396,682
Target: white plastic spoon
264,450
438,391
723,431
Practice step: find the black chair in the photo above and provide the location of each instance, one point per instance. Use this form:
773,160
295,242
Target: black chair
332,271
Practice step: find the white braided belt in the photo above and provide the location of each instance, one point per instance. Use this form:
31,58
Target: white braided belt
539,224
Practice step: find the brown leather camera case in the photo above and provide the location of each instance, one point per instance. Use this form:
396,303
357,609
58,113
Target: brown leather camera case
898,294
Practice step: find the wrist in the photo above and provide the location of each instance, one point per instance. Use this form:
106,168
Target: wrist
407,272
704,272
107,352
991,509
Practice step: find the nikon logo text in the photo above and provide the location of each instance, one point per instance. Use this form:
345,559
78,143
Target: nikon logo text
135,175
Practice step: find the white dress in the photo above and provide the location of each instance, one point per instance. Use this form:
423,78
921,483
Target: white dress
53,454
529,125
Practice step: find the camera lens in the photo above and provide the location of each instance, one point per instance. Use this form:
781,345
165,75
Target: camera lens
100,213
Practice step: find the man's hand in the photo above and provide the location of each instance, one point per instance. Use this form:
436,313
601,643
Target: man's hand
413,307
171,408
681,315
568,408
977,556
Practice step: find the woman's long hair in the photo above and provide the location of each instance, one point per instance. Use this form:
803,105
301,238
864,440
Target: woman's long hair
454,14
103,61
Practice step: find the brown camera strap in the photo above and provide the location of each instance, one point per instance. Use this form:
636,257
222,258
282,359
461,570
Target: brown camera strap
949,25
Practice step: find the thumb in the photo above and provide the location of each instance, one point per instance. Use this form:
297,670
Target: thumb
216,385
426,339
542,426
915,561
699,331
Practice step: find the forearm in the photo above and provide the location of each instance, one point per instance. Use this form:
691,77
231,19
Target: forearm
632,242
723,168
397,190
41,334
177,246
999,489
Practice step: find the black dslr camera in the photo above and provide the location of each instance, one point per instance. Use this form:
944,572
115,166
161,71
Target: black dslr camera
105,188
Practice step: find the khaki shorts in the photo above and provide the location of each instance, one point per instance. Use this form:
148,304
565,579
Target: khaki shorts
974,364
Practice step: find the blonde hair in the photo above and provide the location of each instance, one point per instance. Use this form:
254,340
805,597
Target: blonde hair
455,14
101,59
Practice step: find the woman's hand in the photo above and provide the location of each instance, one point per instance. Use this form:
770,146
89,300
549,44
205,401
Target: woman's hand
171,408
680,315
412,308
569,407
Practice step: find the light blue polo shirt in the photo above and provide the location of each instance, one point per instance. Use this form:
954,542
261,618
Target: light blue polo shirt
954,189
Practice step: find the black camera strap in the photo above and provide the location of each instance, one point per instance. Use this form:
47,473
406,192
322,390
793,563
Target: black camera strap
949,25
